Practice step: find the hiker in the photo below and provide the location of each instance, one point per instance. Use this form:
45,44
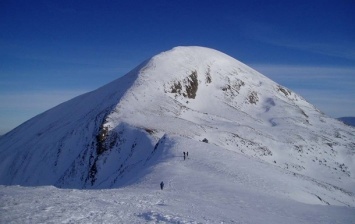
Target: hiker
162,185
187,154
184,155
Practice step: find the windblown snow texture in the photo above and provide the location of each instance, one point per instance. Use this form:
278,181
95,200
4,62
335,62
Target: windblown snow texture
133,131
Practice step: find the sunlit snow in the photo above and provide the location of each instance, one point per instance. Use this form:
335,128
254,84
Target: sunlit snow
258,152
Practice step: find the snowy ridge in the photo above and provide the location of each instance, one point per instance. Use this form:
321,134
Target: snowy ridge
208,187
261,137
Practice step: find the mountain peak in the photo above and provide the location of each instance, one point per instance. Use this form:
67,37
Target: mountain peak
114,135
204,80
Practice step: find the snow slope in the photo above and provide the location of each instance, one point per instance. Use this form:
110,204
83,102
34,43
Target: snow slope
263,140
200,189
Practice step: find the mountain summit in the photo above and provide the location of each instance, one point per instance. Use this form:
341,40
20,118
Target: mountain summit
186,99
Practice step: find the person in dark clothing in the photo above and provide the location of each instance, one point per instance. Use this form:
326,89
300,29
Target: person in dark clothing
187,154
184,155
162,185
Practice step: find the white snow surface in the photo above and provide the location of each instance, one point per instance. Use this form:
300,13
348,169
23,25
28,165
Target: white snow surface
268,157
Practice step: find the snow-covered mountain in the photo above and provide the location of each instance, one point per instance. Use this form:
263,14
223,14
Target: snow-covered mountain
240,128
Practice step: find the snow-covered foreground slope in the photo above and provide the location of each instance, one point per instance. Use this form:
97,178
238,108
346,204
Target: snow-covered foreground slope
247,137
208,187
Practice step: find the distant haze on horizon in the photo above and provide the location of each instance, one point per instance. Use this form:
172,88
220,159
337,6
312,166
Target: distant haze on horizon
52,51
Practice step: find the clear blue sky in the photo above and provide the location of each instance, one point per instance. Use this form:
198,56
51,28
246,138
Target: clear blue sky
51,51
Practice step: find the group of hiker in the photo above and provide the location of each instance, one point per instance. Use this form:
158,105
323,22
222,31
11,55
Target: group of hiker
186,155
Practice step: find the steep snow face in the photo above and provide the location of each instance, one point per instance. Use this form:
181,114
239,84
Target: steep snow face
202,93
108,137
